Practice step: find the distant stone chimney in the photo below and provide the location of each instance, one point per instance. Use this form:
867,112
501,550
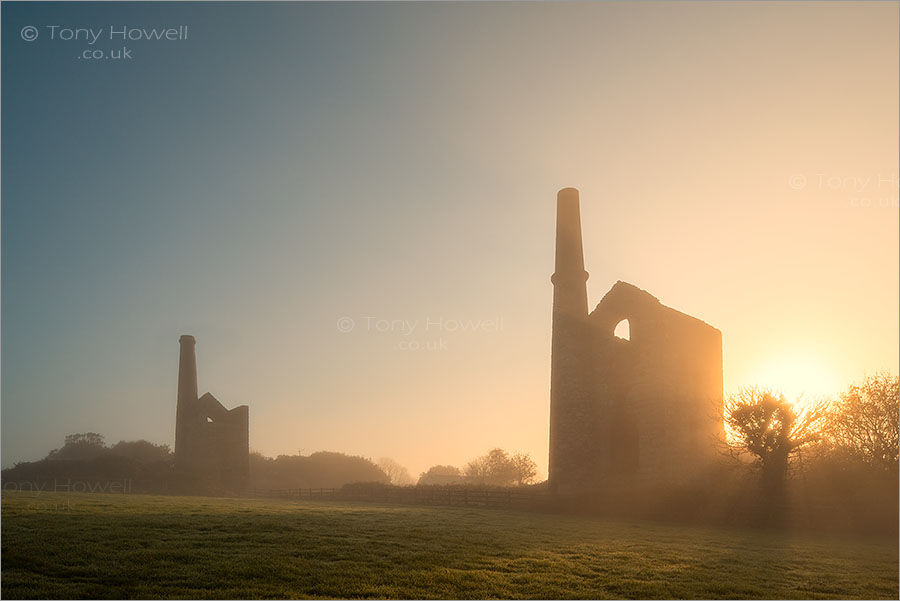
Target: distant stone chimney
212,443
187,397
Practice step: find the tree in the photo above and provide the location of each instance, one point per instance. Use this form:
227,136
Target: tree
143,451
88,439
497,468
80,446
492,468
767,427
396,473
864,421
525,469
476,470
322,469
441,474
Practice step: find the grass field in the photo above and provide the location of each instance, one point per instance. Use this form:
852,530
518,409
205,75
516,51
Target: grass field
68,545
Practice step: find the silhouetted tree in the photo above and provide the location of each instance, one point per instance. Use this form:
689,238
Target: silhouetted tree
396,473
497,468
768,427
492,468
525,468
441,474
142,451
80,446
864,421
323,469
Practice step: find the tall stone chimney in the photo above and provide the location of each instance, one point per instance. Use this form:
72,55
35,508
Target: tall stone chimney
187,397
570,279
570,360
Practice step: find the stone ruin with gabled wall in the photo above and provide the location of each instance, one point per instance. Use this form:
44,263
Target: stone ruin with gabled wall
212,443
646,410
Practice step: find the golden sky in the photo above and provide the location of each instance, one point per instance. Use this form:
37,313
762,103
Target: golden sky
398,164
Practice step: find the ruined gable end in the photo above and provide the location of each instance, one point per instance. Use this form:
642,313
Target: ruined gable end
645,409
211,442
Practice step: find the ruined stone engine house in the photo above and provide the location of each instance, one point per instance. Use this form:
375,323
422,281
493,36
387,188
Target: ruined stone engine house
643,410
211,442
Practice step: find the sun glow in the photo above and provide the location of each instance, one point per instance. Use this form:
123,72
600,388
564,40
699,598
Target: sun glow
801,376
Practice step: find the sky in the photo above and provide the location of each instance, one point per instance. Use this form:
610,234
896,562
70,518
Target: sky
351,207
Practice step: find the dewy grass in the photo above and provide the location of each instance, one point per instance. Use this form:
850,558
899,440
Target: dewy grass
67,545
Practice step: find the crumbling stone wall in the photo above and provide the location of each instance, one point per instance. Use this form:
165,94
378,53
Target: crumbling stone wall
647,409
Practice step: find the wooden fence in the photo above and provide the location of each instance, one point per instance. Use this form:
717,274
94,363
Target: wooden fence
416,495
296,493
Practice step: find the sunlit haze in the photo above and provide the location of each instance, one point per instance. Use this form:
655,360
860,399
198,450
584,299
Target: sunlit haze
352,208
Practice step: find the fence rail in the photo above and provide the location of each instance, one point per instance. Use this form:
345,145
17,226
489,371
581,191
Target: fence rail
308,493
447,495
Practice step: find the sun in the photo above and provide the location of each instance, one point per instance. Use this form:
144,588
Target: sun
801,376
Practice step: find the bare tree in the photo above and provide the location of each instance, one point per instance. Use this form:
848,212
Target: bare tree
396,473
767,427
477,470
525,468
864,420
498,468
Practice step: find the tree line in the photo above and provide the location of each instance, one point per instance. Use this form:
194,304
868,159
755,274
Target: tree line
144,461
856,432
495,468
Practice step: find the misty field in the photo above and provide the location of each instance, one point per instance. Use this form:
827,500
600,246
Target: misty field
68,545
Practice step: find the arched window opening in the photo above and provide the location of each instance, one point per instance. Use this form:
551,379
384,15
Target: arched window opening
623,330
